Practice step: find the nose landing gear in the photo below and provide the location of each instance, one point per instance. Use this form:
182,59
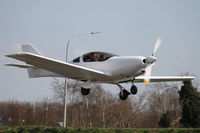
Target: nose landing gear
133,89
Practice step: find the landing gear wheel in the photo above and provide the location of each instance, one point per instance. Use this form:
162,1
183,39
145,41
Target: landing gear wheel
85,91
124,95
133,89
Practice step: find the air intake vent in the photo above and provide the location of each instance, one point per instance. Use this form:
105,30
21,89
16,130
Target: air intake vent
144,61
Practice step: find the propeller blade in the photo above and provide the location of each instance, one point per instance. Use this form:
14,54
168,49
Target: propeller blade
148,74
158,42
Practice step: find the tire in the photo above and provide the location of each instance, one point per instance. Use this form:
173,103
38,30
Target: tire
123,96
85,91
133,89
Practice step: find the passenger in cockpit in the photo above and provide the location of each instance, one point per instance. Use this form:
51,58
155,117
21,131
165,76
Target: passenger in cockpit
102,57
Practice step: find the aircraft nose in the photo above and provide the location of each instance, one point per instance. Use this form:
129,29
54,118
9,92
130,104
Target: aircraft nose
151,59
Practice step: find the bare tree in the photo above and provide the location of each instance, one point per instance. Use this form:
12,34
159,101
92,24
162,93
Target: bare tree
164,99
98,109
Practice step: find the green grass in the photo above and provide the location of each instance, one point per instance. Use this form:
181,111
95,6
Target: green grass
36,129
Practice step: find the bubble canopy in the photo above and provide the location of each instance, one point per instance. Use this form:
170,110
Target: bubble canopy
94,57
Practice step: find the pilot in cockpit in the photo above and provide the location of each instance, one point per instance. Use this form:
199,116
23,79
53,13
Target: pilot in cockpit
94,57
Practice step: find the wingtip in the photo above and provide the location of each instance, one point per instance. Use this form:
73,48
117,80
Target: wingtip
8,56
6,64
11,55
192,77
9,65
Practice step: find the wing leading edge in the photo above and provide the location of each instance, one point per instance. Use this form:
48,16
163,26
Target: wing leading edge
164,78
140,79
60,67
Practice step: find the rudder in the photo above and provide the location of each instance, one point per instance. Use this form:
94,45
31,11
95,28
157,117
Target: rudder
30,49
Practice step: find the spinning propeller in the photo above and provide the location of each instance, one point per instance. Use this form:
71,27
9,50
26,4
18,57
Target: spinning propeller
150,62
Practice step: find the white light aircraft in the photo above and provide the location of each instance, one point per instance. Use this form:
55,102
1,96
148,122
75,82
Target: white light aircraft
95,67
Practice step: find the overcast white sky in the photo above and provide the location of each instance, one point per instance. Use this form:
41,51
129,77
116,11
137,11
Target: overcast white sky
129,28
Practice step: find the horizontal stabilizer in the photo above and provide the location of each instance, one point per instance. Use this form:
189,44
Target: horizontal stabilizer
18,65
35,72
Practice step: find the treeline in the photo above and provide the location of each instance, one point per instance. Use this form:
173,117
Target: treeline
161,107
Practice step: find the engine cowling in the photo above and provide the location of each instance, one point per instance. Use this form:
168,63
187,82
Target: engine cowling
139,72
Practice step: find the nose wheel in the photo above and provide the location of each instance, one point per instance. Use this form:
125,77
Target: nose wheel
133,89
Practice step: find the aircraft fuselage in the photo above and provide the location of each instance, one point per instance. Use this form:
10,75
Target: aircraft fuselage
118,67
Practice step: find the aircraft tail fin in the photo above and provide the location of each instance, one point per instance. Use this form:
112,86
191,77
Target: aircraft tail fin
33,71
30,49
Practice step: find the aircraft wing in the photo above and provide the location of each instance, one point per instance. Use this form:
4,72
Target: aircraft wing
140,79
59,67
164,78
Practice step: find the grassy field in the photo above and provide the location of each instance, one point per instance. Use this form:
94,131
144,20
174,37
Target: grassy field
34,129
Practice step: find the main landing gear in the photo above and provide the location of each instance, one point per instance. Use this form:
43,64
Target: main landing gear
85,91
123,95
